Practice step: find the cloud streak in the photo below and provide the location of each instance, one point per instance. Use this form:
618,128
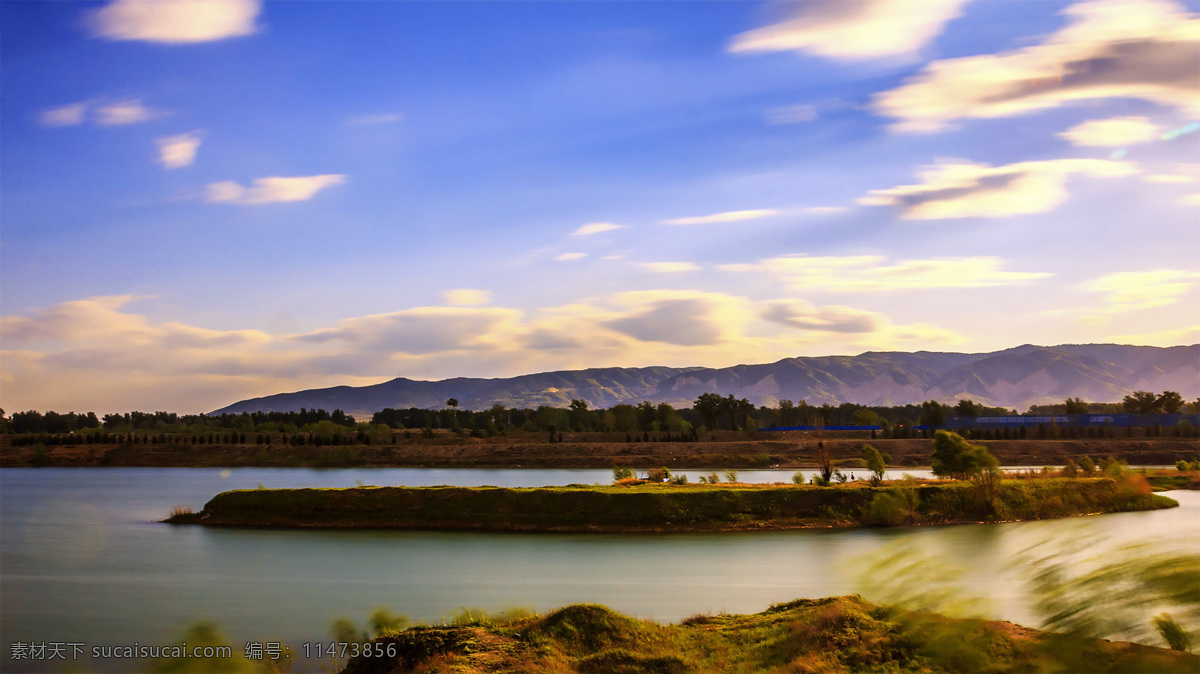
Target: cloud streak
1146,49
982,191
272,190
874,273
727,216
862,29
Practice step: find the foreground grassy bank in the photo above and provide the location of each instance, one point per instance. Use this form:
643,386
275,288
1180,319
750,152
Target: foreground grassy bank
664,507
836,634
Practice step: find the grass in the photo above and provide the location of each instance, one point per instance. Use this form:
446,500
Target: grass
664,507
836,634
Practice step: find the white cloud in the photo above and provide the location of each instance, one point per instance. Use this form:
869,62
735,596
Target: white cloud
874,273
176,21
792,114
121,113
1111,132
465,297
371,120
567,257
67,115
1174,337
1134,290
670,267
268,190
595,228
178,151
806,316
727,216
852,30
1145,49
1169,178
981,191
1190,200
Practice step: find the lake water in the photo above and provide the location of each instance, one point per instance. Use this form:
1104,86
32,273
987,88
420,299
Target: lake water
83,560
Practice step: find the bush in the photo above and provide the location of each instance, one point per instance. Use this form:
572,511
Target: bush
798,478
658,475
622,473
679,479
731,475
885,509
1182,466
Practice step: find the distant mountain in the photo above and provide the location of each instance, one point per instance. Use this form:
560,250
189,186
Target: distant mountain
1016,378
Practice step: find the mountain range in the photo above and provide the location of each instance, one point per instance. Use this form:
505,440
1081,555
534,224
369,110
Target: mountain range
1015,378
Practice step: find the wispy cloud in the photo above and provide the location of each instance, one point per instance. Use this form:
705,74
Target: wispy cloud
792,114
727,216
567,257
67,115
1136,290
123,112
982,191
1113,132
875,273
178,151
466,297
861,29
379,118
275,189
670,267
176,21
595,228
1142,49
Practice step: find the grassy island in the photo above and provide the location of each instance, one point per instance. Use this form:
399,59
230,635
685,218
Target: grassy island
666,507
836,634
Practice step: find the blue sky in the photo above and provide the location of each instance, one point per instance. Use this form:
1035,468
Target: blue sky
205,200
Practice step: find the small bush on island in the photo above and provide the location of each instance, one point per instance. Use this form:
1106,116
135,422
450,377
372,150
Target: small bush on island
731,475
658,475
622,473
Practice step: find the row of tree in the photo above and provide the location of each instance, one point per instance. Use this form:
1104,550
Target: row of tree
709,412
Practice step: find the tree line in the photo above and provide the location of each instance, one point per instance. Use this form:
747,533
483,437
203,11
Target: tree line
709,412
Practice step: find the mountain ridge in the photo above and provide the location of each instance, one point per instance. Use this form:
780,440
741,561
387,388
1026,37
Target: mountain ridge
1017,377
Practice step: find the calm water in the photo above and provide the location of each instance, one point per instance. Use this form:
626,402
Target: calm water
83,560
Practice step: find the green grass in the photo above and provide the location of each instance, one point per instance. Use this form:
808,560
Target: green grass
653,507
836,634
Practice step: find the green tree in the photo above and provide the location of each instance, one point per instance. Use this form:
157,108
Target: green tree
967,408
1141,402
933,413
876,463
1076,406
579,414
708,405
955,457
1170,402
785,413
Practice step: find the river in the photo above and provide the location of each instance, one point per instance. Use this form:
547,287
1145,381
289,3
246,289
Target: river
84,560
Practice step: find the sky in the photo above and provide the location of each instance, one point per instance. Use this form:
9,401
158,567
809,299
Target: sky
207,200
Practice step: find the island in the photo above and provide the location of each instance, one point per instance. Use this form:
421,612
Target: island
638,506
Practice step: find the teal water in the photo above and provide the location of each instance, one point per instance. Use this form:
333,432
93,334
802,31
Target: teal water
82,559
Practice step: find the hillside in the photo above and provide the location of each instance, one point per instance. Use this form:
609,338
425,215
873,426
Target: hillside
1014,378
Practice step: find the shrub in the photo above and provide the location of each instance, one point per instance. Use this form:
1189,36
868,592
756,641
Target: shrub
622,473
1086,465
731,475
1182,466
713,478
658,475
798,478
885,509
679,479
1173,633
